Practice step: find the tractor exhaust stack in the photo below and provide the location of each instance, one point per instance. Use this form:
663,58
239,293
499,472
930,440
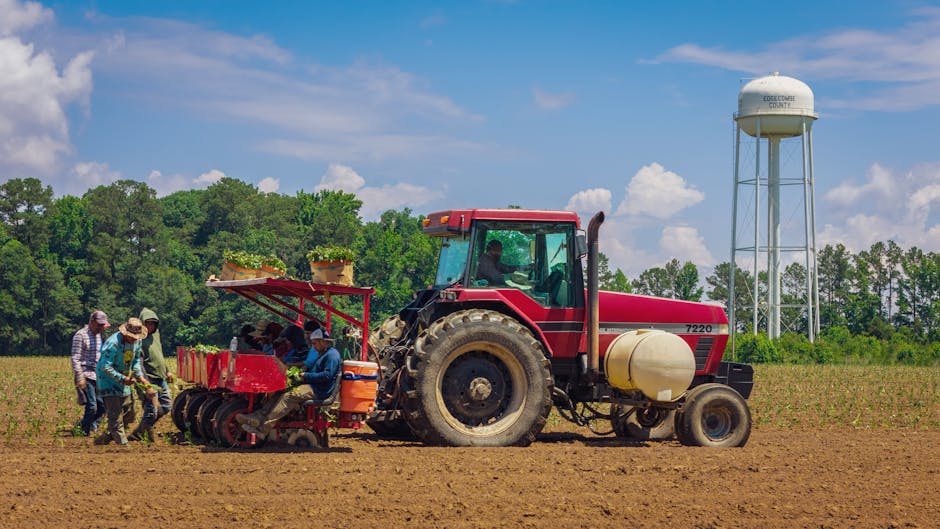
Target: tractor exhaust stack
592,288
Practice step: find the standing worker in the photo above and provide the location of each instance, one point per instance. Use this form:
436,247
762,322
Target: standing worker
118,369
86,349
151,357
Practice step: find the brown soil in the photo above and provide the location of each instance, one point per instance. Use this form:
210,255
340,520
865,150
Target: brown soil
781,479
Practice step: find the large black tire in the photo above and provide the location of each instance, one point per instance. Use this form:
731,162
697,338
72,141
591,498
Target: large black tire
389,333
179,407
227,430
206,414
478,378
646,424
714,415
192,408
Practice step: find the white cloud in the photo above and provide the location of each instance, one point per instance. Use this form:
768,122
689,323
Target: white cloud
21,16
880,184
375,200
590,201
165,185
312,111
685,244
901,63
85,175
901,206
269,185
550,101
34,129
341,178
209,178
655,192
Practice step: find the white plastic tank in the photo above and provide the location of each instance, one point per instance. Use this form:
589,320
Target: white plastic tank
658,363
780,105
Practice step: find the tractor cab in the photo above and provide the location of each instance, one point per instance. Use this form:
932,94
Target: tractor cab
537,255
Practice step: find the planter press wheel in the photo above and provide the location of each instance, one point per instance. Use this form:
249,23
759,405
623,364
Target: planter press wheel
227,430
178,408
205,415
192,408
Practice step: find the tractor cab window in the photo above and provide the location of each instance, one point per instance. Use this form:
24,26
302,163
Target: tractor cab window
452,262
533,257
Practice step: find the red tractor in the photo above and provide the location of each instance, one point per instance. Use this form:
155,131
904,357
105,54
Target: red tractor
511,328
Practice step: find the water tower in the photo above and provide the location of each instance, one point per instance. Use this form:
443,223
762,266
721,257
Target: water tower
774,110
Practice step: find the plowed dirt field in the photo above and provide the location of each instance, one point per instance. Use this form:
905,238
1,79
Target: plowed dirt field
781,479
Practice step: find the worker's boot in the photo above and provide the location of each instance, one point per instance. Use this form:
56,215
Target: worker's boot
252,419
143,432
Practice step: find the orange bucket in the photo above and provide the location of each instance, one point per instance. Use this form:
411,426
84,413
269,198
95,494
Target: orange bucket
358,386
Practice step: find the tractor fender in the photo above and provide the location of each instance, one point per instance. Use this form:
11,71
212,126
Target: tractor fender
474,299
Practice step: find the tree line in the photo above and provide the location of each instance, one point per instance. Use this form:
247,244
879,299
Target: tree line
120,248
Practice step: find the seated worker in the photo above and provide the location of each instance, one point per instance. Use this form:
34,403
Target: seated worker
247,342
490,268
291,345
267,335
318,380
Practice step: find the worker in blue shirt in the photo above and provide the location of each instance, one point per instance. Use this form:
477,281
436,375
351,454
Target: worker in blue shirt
319,379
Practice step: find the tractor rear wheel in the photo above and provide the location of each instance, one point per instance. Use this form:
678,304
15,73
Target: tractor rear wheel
179,406
227,429
713,415
647,424
479,378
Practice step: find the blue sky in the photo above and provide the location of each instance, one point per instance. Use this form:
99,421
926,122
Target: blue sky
621,106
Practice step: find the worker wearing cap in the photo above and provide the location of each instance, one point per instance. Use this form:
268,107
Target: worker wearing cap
118,369
319,378
86,350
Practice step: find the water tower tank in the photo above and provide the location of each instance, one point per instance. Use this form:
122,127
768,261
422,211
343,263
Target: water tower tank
782,104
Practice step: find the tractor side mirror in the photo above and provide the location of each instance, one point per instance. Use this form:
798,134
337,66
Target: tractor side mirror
580,240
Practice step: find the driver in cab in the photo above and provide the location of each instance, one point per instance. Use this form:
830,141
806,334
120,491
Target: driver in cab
490,268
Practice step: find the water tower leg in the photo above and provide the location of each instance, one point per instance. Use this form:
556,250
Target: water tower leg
773,237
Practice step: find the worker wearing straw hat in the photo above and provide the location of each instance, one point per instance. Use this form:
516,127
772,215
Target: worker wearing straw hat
118,369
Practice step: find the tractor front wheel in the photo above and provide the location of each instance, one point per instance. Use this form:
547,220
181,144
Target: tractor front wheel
713,415
479,378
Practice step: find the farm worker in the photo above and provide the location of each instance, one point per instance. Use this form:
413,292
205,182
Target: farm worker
247,342
118,369
320,369
490,268
86,349
151,357
267,335
292,345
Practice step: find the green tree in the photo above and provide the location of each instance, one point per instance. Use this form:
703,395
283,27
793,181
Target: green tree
23,204
19,282
720,290
835,281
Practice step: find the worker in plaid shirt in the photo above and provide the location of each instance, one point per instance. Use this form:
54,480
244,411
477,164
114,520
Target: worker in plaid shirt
86,347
